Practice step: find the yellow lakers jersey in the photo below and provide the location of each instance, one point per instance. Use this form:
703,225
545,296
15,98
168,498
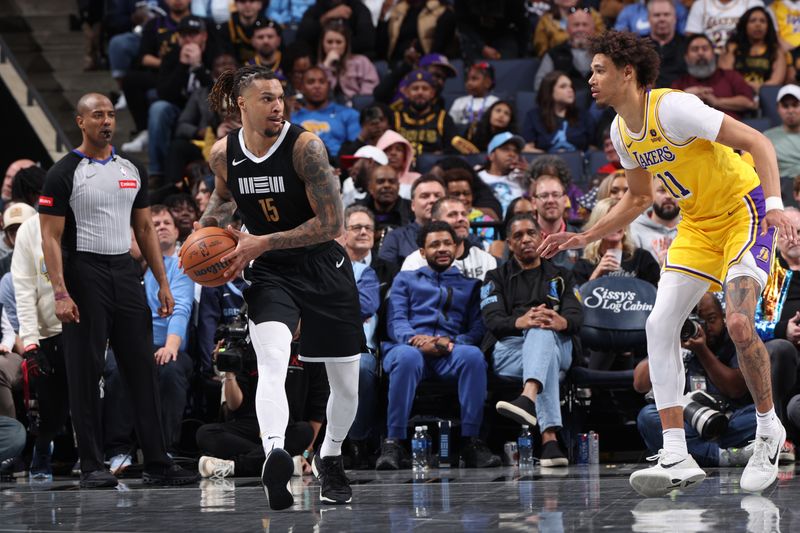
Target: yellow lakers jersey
707,178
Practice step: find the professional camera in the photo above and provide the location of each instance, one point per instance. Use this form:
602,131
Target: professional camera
702,412
236,353
691,328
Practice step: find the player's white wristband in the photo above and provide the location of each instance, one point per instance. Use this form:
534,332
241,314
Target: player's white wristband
773,202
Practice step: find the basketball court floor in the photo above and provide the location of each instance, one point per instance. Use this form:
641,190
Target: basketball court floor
579,498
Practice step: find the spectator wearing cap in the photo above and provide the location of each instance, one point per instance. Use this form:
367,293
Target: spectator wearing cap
664,24
786,137
492,29
236,35
349,74
374,121
266,43
551,29
391,88
288,13
360,166
332,122
572,56
432,30
504,159
352,13
467,110
426,126
13,217
385,203
184,70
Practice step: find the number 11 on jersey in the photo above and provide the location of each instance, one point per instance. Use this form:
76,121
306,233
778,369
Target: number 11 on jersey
673,186
270,211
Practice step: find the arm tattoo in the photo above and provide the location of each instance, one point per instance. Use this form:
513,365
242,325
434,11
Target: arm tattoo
220,206
322,188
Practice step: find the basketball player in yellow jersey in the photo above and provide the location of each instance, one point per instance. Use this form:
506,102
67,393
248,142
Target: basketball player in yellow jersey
725,239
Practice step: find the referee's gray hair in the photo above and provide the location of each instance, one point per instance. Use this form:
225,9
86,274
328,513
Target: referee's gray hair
355,208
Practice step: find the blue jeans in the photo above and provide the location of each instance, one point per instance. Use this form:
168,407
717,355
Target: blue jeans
539,355
161,120
406,367
741,429
367,398
12,438
123,49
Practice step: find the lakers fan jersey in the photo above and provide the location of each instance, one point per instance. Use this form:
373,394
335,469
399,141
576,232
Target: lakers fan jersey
270,195
707,178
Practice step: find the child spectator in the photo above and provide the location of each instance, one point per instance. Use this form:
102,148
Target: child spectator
500,117
467,110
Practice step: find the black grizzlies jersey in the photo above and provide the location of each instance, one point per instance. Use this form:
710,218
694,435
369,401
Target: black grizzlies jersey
270,195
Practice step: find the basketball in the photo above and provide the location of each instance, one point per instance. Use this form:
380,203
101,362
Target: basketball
201,255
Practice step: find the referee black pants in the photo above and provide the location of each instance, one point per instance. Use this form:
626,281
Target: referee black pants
113,307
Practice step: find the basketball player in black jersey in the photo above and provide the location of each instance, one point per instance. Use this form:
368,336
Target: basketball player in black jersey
278,176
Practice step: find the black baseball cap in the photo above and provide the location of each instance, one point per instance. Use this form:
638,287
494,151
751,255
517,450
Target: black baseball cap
191,24
264,22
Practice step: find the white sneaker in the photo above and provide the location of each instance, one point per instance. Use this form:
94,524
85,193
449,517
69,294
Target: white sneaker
762,468
215,468
119,463
137,144
762,514
670,472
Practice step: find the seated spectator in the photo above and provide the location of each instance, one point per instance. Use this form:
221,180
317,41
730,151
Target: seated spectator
401,155
499,248
635,17
555,125
364,161
348,74
460,183
571,57
384,202
498,118
299,57
668,39
185,69
610,152
201,192
467,110
266,42
531,311
424,26
550,203
426,126
185,213
483,196
784,14
470,260
393,86
27,185
492,30
717,20
504,172
288,13
332,122
786,137
434,338
352,13
12,440
655,229
725,90
401,242
233,448
8,179
754,52
236,35
14,215
552,165
360,242
374,121
615,254
614,186
551,29
715,364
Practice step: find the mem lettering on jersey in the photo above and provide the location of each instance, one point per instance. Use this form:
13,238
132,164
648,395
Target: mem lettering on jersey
654,157
261,185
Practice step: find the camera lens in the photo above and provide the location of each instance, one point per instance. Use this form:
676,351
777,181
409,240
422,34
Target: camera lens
689,329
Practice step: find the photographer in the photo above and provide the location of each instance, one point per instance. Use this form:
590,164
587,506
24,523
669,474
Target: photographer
714,368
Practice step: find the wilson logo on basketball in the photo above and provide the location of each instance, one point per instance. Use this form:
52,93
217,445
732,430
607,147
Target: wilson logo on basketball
213,268
128,184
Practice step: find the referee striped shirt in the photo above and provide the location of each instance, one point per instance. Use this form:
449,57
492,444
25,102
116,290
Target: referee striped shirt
96,197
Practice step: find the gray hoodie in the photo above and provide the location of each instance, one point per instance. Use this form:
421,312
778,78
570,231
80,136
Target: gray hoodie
651,235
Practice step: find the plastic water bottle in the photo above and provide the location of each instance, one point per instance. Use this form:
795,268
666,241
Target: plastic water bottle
419,450
428,446
525,447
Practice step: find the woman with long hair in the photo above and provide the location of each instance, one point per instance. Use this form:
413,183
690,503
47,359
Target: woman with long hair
349,74
754,52
499,118
555,125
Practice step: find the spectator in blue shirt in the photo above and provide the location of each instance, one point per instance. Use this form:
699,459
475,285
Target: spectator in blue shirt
634,18
332,122
288,12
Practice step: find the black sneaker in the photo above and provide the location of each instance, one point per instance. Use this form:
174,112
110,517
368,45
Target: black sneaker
171,476
98,479
275,476
393,456
552,455
476,454
13,468
335,487
521,410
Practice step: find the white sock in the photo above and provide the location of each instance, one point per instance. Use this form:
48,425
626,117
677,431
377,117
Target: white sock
767,423
342,405
675,441
271,342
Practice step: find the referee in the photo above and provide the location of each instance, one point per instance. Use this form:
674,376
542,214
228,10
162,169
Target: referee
90,200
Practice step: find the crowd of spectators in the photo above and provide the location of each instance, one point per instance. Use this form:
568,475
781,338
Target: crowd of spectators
449,190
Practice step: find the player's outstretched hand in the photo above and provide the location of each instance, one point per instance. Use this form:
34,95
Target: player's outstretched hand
776,218
558,242
248,247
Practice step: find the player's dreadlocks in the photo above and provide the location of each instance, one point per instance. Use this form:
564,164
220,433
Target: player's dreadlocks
230,84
